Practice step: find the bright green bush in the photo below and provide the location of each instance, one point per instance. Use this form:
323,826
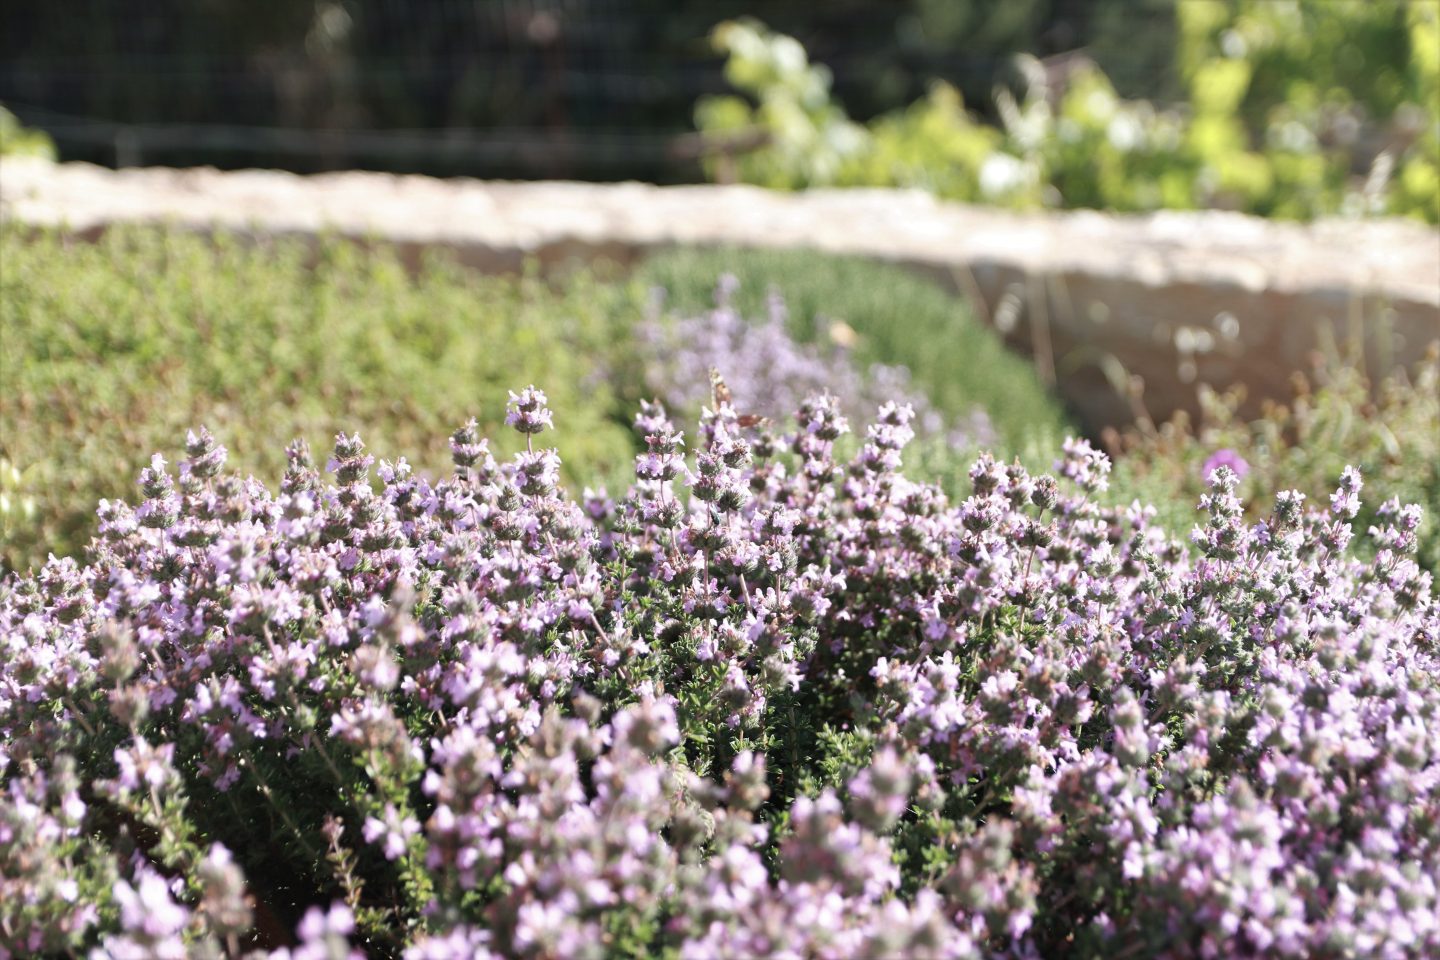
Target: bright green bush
113,350
1293,110
1292,101
895,317
19,141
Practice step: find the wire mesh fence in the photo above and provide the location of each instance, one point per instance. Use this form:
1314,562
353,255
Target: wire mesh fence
586,89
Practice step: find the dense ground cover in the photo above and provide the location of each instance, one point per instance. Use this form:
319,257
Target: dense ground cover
764,363
113,350
764,703
775,695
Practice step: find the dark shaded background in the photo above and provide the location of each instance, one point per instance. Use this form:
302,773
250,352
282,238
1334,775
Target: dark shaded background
582,89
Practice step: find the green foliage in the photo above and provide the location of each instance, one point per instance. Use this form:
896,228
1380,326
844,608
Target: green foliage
18,141
896,318
1294,110
811,138
116,349
1295,102
1389,434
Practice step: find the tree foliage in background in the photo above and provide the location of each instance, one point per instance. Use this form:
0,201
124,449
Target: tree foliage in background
1263,129
18,141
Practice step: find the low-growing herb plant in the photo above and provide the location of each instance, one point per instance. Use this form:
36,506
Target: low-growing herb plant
114,348
765,702
885,316
775,372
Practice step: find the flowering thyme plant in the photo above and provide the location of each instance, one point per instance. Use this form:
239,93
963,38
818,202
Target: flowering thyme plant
764,703
774,372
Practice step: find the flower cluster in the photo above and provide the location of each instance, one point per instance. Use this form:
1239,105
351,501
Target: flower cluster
764,703
774,373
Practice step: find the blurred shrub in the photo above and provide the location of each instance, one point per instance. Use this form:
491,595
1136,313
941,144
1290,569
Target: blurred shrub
771,375
113,350
812,140
1305,108
1293,110
1392,435
18,141
885,315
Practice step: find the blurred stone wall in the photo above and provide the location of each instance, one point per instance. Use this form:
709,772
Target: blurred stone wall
1127,314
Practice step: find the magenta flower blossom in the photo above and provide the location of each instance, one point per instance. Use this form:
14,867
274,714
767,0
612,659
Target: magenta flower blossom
1224,457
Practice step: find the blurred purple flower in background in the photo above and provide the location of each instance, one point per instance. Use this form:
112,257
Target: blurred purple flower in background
770,373
1225,457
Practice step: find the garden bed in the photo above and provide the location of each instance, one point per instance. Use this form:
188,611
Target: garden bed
813,678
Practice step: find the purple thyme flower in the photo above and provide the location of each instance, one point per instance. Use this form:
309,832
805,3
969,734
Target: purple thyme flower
527,412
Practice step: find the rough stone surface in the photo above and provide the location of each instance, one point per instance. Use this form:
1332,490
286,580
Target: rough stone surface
1174,299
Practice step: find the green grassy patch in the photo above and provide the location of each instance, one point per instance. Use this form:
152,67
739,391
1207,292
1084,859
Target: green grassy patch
112,350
